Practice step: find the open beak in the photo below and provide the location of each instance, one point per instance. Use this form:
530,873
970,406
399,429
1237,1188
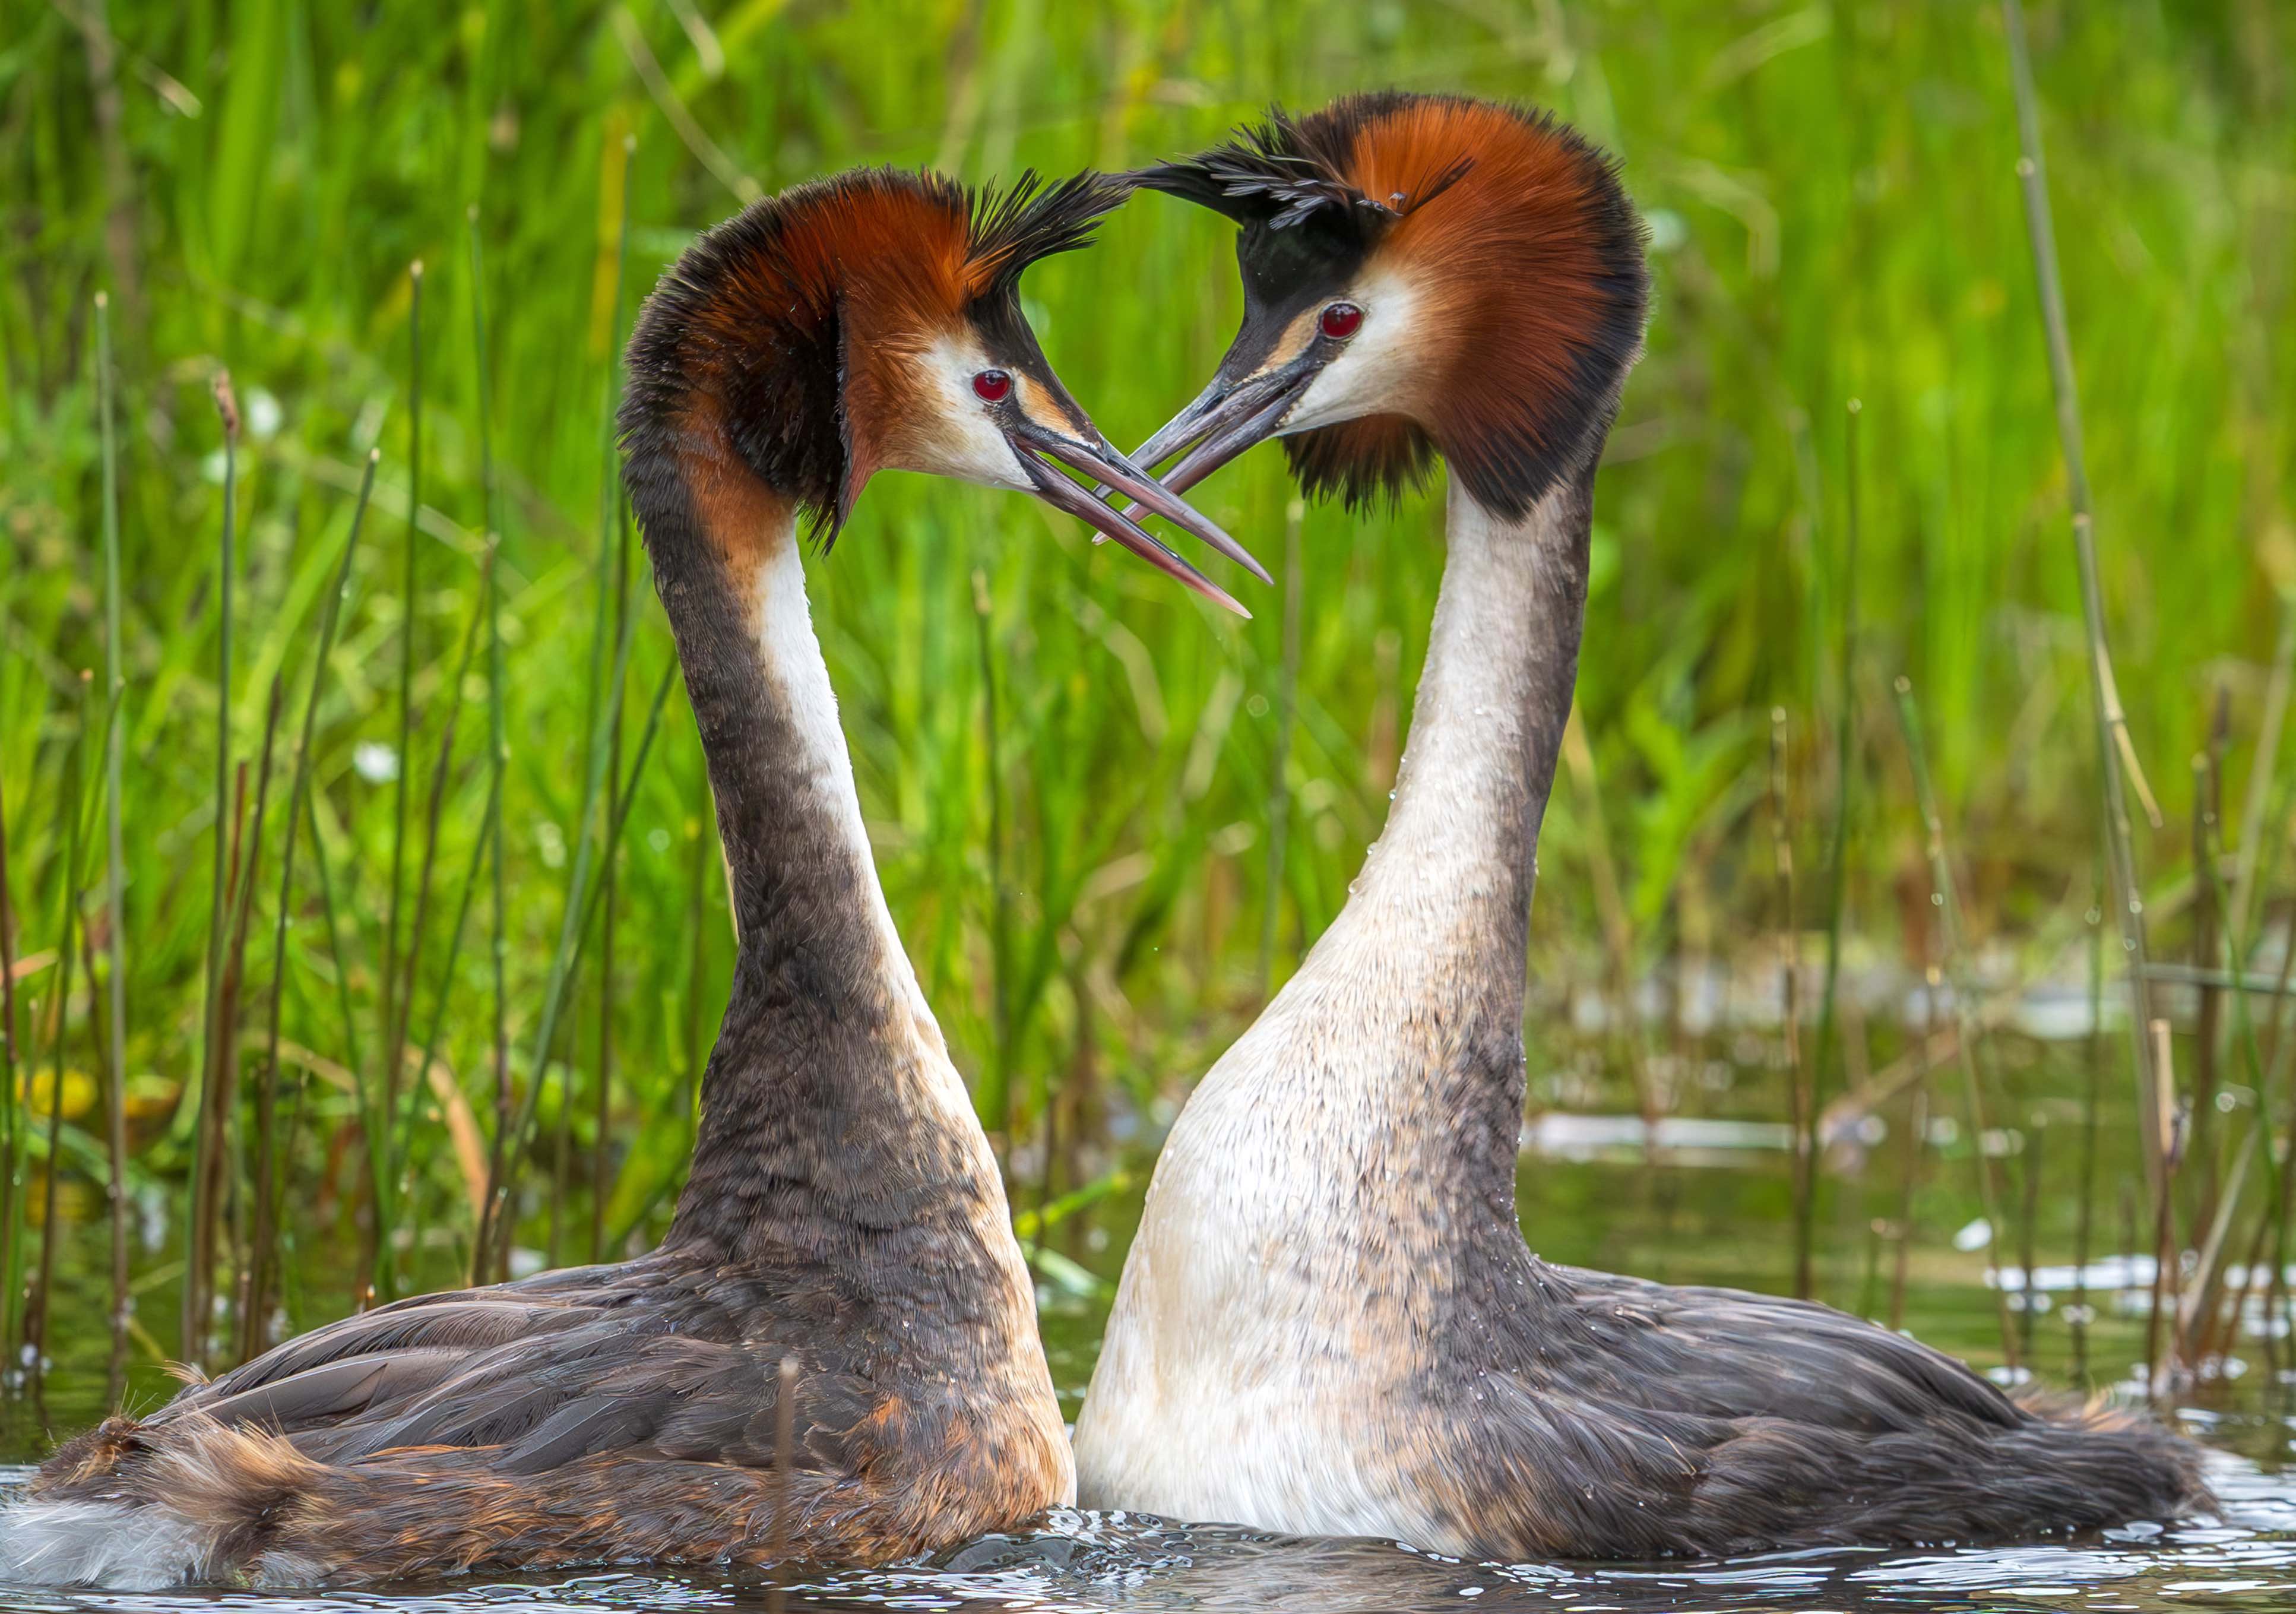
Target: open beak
1227,417
1039,447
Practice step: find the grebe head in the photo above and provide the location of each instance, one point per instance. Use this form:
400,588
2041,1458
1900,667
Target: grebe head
872,321
1423,275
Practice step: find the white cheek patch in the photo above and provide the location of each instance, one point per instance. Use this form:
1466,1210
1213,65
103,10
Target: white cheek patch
1368,377
957,434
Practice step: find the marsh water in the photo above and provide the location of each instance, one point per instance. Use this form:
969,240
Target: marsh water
1712,1209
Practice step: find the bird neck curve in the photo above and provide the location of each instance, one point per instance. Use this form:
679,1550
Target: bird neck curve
829,1101
1460,846
1401,1034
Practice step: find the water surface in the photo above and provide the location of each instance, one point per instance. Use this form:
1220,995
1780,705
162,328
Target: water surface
1706,1217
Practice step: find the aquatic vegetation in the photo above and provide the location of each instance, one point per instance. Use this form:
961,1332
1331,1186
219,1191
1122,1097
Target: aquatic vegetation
489,944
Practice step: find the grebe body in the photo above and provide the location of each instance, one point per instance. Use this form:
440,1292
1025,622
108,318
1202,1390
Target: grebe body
843,1210
1331,1321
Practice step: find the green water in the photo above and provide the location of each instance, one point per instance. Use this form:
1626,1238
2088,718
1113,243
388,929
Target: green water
1724,1219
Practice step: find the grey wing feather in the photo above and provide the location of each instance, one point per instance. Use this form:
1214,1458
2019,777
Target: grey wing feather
1724,1354
545,1373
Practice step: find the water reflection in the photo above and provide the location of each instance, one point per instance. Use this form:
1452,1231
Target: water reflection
2244,1558
1590,1198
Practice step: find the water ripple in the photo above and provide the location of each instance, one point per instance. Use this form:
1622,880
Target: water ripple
1076,1562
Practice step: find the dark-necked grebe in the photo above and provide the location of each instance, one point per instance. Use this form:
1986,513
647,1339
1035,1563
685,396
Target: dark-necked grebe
1330,1322
843,1207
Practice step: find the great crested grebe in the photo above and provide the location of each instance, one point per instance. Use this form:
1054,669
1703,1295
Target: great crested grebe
1329,1323
843,1207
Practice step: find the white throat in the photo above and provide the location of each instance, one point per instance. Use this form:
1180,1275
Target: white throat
1312,1207
789,653
1433,923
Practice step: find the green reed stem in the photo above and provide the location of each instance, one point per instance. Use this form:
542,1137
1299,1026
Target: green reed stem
579,916
261,1257
2092,1097
227,407
225,1134
115,857
1802,1111
389,1195
600,1139
429,1051
495,1229
2114,749
1845,762
998,1101
11,1153
394,1015
1279,783
43,1296
362,1090
1948,905
2260,1075
490,826
2252,818
497,753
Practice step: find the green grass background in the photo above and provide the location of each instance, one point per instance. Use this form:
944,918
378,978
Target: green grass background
1834,216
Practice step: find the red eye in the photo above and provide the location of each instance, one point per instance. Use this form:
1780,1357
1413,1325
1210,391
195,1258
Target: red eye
1341,321
993,385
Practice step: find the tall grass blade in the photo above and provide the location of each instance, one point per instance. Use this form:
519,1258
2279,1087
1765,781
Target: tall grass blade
2265,1080
489,824
579,916
394,1013
12,1220
429,1051
390,1195
2159,1370
1917,1137
497,1224
2208,934
499,1044
219,1125
43,1295
2115,752
194,1325
362,1087
1287,713
1947,901
261,1255
601,1141
1845,763
2092,1097
1801,1112
2260,775
115,860
998,1101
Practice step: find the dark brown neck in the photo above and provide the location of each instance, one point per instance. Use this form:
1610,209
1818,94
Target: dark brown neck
830,1102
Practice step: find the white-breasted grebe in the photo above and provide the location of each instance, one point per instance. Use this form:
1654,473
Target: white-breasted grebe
1330,1322
843,1207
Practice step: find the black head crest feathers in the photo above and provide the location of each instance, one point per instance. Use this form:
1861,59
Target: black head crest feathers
1282,173
1030,220
1522,262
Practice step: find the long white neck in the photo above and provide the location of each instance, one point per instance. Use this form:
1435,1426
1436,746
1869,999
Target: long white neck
1340,1189
830,1080
817,761
1402,1033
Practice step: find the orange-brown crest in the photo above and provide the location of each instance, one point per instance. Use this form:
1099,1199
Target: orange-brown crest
791,327
1521,254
